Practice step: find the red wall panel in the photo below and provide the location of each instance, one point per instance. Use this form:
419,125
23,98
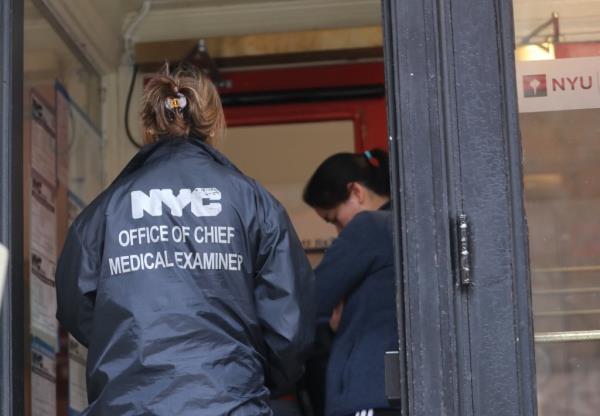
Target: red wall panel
368,115
577,49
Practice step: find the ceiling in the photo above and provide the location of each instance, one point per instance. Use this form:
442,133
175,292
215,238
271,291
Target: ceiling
580,19
171,19
99,24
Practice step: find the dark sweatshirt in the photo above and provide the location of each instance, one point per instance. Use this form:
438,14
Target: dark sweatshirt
359,269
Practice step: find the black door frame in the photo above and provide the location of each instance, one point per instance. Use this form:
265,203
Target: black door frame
455,149
12,341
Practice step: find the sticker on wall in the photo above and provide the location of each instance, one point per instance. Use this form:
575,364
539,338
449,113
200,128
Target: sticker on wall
43,380
43,152
77,384
558,84
43,227
42,112
43,300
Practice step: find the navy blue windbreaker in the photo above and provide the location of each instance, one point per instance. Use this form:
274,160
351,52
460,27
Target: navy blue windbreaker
358,269
187,283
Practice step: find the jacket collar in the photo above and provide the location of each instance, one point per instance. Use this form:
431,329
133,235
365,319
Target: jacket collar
154,149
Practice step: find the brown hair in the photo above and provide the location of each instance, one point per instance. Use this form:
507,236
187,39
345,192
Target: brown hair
202,116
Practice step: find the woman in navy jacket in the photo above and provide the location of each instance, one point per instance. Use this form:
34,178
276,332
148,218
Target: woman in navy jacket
185,278
355,280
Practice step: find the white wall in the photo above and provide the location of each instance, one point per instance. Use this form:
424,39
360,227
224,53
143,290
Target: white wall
118,150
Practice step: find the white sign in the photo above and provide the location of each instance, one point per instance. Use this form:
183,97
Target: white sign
559,84
77,382
3,267
43,227
43,152
43,300
43,381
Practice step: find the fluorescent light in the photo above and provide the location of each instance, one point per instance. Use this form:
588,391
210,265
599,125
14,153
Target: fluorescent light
543,181
535,52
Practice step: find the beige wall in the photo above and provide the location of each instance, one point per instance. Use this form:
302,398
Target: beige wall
283,157
118,150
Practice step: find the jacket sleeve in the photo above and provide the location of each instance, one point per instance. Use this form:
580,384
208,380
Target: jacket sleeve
76,280
284,296
344,265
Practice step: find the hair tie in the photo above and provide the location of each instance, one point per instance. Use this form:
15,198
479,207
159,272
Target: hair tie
177,103
373,161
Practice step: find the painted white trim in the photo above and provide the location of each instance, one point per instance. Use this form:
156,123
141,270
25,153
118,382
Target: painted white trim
132,27
3,270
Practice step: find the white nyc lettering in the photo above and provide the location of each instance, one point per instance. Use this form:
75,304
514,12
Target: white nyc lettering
153,203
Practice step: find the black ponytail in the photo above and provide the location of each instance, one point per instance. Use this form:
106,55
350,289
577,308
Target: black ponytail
328,186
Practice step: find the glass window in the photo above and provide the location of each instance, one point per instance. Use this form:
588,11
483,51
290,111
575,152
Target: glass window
47,58
558,75
63,159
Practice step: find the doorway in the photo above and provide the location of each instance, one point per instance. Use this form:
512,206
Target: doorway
465,319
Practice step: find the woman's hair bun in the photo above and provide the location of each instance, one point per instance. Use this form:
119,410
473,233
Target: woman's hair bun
181,104
328,186
380,164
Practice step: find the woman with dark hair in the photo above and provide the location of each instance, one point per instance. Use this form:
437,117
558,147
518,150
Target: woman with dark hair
355,280
185,278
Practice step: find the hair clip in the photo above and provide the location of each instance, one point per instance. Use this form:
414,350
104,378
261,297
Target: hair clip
373,161
177,103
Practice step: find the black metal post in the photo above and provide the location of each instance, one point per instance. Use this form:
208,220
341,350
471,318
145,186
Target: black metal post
464,288
396,186
12,323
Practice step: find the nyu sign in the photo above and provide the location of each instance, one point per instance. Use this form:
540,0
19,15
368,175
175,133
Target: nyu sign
202,202
559,84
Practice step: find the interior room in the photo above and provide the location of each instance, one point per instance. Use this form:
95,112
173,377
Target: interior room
300,80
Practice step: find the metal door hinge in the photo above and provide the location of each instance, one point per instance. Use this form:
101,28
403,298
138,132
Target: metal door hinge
464,253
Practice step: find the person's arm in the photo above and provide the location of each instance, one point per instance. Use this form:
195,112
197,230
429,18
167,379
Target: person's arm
344,265
76,282
284,295
336,317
